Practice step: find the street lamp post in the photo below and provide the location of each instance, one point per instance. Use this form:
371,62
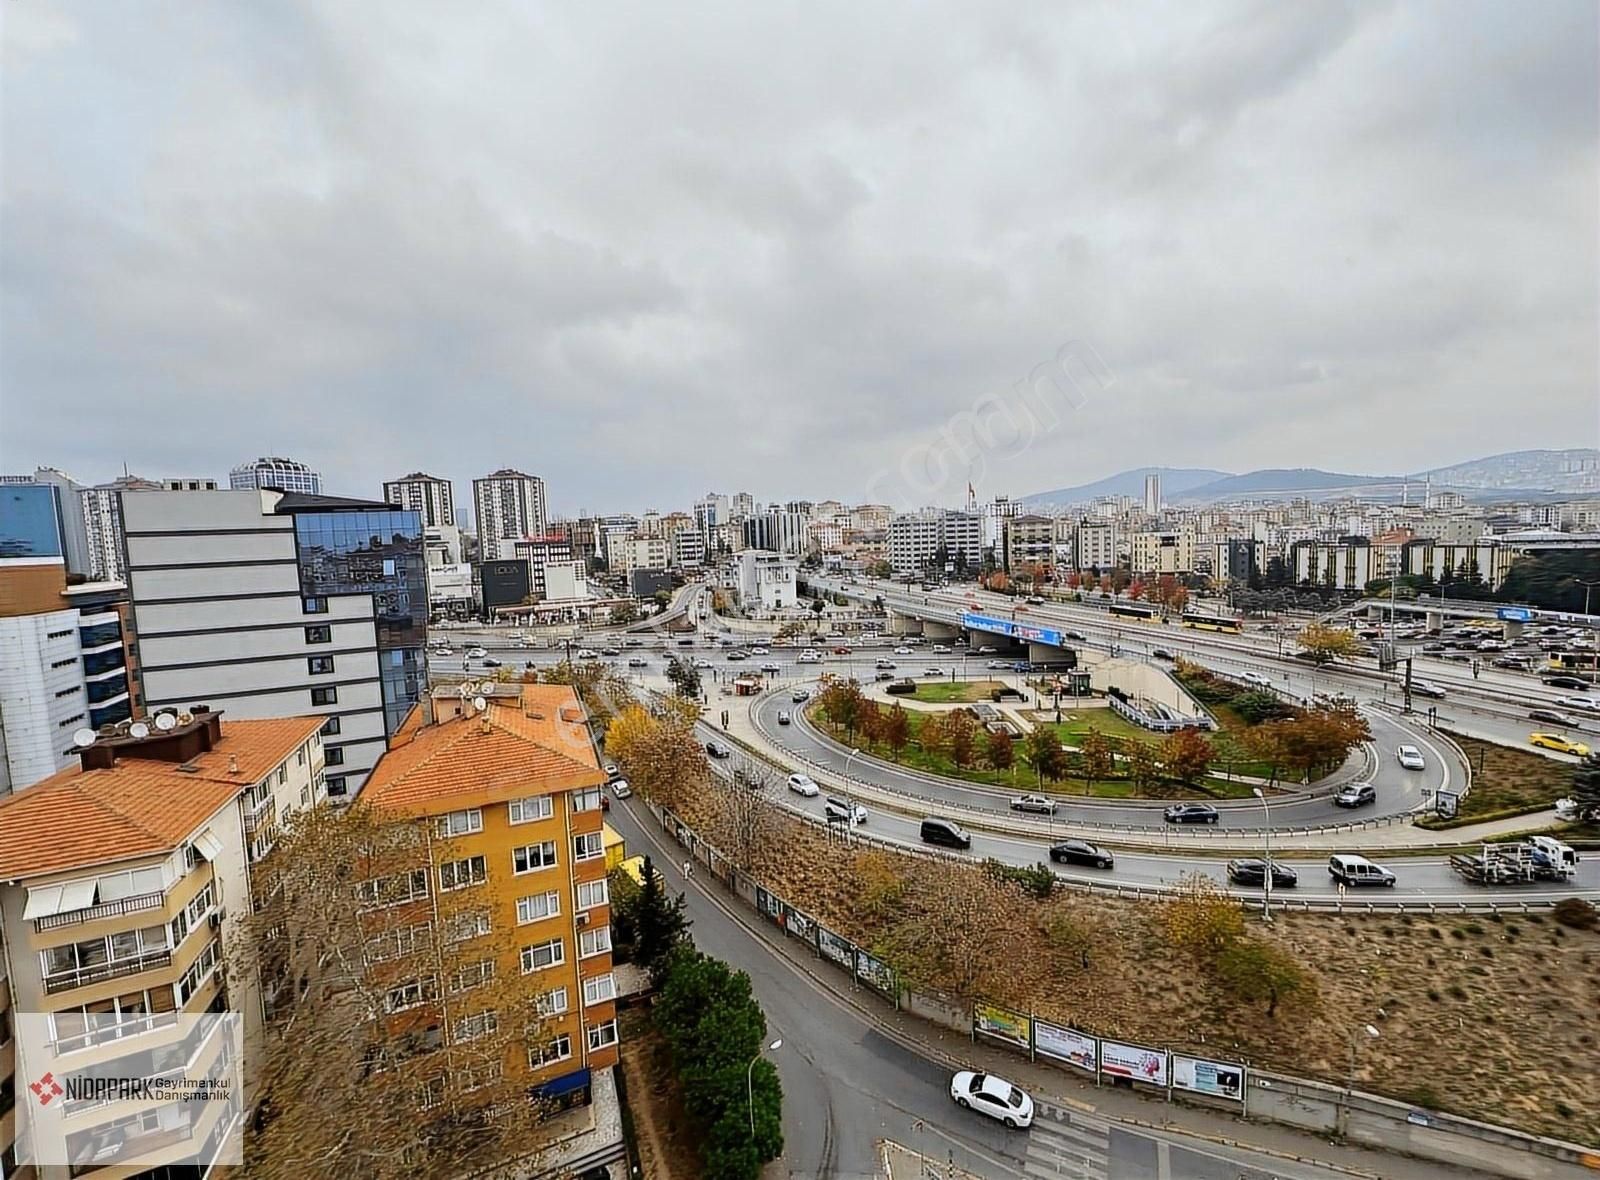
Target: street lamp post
1350,1079
1266,876
750,1083
1587,586
849,797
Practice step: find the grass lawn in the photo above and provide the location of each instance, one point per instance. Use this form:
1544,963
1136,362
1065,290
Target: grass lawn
1507,781
947,692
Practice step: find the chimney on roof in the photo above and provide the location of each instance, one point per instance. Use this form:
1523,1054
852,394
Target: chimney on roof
233,764
427,708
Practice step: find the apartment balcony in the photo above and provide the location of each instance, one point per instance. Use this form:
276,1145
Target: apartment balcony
106,909
101,972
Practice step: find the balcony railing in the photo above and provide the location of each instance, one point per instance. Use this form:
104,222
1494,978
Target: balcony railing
116,969
106,909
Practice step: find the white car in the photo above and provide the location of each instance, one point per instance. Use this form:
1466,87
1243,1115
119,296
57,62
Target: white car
839,810
999,664
620,789
810,656
1038,804
941,649
933,671
587,653
1588,704
702,663
884,665
994,1096
802,784
1411,758
1256,678
902,651
476,653
761,651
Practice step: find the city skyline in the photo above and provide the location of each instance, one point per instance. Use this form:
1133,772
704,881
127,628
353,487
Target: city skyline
796,277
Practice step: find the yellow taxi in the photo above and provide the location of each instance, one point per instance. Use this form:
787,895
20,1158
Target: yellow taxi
1554,741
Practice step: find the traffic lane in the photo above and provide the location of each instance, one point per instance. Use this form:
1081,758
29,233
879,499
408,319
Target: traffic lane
1420,879
846,1085
1399,790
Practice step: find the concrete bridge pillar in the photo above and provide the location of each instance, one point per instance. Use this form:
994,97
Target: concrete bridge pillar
904,624
1375,610
1435,621
1046,653
935,630
1511,629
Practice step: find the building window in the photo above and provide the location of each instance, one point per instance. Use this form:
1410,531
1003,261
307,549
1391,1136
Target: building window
599,989
460,823
337,786
586,800
458,874
334,755
330,727
431,1093
551,1003
314,606
67,692
559,1049
531,809
593,893
397,943
398,889
602,1035
472,975
538,907
319,665
594,942
464,927
325,696
411,993
319,634
588,845
531,857
477,1077
543,954
199,972
475,1027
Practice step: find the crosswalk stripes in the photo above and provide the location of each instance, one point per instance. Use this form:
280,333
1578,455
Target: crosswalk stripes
1064,1145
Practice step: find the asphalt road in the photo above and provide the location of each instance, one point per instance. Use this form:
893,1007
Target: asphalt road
847,1086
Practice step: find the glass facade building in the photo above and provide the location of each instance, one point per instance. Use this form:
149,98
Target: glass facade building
376,551
30,521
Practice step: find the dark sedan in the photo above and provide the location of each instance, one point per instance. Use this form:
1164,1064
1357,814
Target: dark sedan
1252,871
1081,852
1190,813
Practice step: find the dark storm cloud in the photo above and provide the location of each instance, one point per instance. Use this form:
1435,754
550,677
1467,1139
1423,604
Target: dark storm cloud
647,251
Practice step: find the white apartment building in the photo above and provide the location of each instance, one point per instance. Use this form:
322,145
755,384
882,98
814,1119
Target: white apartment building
42,701
642,552
688,549
508,504
1340,565
428,496
1152,494
268,605
286,475
913,541
565,581
1161,552
1094,545
766,579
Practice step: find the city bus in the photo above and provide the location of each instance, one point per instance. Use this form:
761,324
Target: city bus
1204,622
1574,661
1134,610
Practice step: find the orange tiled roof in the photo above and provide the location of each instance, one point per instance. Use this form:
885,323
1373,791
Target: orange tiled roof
78,819
537,744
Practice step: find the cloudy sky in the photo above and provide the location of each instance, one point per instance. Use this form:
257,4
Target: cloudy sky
822,250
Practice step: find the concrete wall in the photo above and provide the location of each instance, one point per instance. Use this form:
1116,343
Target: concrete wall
1137,678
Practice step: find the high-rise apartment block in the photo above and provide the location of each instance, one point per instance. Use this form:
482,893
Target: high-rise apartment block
508,505
284,475
272,604
431,498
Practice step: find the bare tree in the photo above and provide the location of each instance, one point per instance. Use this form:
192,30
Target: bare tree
745,823
961,931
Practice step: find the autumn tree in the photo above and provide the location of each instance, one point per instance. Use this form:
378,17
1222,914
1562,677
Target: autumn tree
997,751
896,729
959,931
930,734
399,1027
840,702
960,736
1045,754
1144,770
1201,918
1186,756
658,752
1095,755
1255,970
744,823
1323,644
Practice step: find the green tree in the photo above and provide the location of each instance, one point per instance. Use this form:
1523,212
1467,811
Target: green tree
684,678
1045,754
624,613
656,921
1096,757
1255,707
1254,970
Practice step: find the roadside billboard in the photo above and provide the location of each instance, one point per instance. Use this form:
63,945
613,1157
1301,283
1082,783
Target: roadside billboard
1002,1024
1216,1078
874,973
1063,1044
1514,614
1023,632
841,950
1133,1061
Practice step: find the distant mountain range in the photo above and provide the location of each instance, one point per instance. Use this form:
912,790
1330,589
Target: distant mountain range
1522,474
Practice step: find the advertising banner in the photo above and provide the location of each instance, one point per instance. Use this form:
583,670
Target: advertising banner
1216,1078
1021,631
1514,614
798,924
875,973
1063,1044
841,950
1002,1024
1134,1061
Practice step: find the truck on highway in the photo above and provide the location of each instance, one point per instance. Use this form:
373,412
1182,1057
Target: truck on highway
1538,858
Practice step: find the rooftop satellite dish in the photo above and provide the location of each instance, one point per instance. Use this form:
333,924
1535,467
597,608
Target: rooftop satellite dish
83,738
138,730
185,718
479,704
166,721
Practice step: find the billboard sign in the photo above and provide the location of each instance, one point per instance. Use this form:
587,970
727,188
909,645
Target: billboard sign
1215,1078
1002,1024
1023,632
841,950
1134,1061
1514,614
1063,1044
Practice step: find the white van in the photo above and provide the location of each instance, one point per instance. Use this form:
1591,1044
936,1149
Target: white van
1348,869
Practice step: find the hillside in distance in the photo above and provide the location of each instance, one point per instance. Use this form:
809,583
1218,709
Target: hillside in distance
1174,481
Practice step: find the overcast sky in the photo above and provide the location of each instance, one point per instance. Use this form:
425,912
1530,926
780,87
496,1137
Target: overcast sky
809,251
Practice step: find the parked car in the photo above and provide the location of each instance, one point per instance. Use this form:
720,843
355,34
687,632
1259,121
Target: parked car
842,811
1356,795
802,784
783,717
620,789
718,750
612,772
1038,804
1411,758
993,1096
1554,741
1348,869
1081,852
1252,870
1191,813
946,832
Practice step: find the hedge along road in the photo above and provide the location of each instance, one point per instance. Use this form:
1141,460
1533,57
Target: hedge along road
1399,790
